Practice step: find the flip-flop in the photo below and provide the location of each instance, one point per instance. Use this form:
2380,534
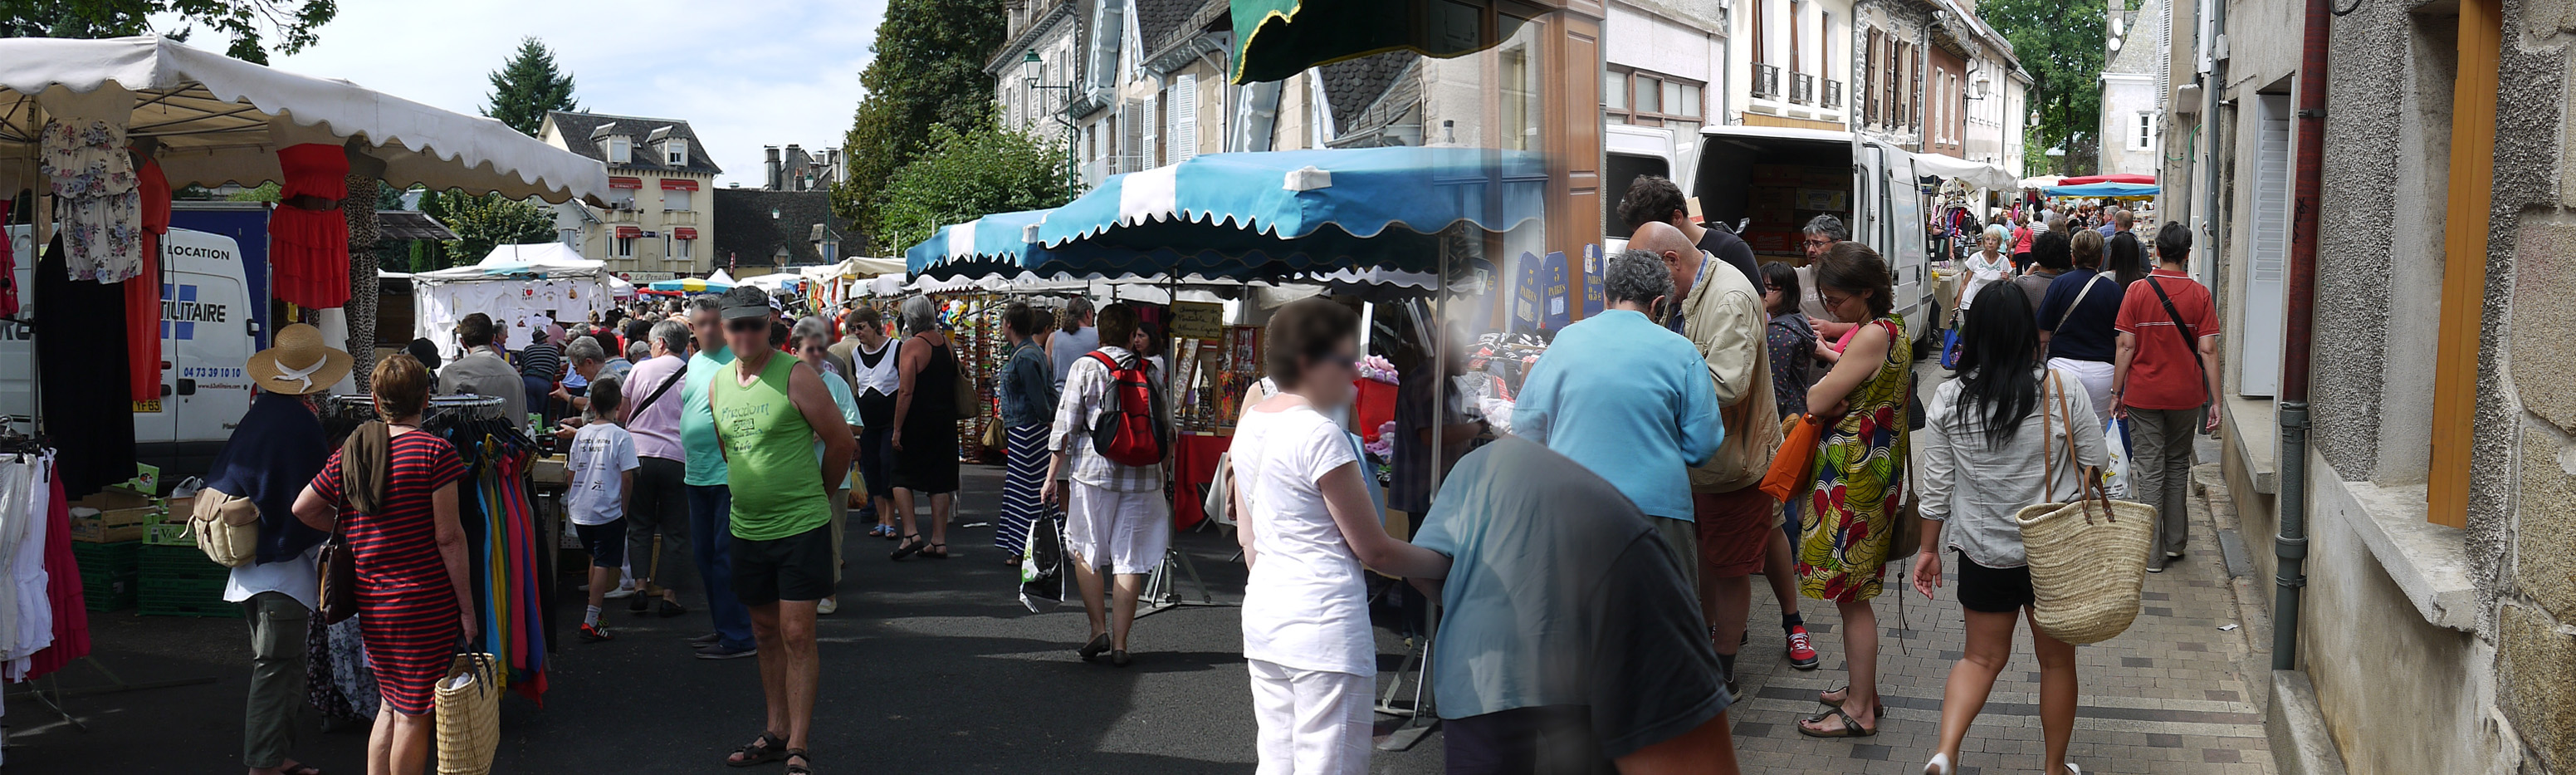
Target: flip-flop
1850,728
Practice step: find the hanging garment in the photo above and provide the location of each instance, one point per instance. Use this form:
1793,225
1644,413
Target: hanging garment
84,403
8,266
309,241
143,292
69,622
100,210
20,508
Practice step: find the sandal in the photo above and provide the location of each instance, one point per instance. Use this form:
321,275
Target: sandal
911,545
1850,728
935,552
1876,712
768,748
799,769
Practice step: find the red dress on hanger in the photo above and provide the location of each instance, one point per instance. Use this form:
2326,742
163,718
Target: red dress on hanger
309,249
143,292
63,588
8,268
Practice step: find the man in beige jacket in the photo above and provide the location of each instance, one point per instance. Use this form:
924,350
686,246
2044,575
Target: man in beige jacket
1739,527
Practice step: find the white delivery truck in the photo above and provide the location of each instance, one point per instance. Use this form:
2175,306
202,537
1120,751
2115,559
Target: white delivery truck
208,333
1776,179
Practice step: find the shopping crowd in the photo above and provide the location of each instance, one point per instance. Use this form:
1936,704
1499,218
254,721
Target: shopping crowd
717,451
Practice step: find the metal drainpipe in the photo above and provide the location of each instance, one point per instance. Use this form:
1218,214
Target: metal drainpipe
2298,329
2216,82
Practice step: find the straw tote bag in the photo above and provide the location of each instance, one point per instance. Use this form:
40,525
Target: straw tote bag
468,704
2088,559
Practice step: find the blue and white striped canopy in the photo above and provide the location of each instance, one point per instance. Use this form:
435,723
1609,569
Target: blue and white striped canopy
1255,215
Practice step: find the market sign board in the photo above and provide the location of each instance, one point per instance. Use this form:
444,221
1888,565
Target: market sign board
1197,320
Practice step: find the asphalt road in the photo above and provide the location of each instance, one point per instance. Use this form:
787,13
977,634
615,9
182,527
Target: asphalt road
930,667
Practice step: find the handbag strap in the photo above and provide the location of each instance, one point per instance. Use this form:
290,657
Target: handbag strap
2079,303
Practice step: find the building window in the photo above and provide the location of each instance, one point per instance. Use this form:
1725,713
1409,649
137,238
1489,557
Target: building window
1650,99
625,247
621,149
675,199
2143,137
675,152
679,249
571,238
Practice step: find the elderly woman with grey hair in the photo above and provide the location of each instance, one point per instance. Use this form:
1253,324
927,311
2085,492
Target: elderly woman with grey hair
925,429
812,338
586,358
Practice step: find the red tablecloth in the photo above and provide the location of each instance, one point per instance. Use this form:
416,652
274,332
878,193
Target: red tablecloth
1193,467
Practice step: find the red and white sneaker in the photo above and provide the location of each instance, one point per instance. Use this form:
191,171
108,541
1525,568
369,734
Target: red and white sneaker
1802,651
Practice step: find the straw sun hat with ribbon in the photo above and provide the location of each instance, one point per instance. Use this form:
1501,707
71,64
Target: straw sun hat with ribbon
299,363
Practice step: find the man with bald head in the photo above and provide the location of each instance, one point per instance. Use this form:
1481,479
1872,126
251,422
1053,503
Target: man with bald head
1739,530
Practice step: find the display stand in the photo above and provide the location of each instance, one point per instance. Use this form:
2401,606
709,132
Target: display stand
1421,714
48,690
1162,592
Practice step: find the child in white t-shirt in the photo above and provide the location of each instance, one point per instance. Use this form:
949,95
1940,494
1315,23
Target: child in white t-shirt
603,467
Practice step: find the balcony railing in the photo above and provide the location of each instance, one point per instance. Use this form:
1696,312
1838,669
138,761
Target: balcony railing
679,217
1833,93
627,215
1766,80
1802,88
1105,166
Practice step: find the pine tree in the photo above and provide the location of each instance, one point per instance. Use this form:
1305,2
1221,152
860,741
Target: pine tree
527,87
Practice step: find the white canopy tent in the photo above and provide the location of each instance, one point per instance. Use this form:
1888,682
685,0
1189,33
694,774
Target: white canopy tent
221,120
512,284
1975,174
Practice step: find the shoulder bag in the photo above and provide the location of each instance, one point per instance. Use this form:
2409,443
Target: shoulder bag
969,402
2088,558
226,528
2079,303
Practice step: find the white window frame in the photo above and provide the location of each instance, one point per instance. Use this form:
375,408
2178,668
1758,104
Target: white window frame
621,149
678,250
685,199
675,152
621,247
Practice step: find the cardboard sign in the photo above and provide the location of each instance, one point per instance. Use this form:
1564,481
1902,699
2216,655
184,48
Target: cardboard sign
1593,266
1197,320
1525,292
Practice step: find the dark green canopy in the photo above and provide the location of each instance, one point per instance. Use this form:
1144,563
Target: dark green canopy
1276,39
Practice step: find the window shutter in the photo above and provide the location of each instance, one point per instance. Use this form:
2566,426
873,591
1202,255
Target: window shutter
1149,149
1185,119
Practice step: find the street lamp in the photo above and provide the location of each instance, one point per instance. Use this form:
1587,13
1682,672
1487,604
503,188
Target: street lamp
1032,67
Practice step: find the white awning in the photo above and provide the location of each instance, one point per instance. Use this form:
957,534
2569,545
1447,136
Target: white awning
1975,173
221,120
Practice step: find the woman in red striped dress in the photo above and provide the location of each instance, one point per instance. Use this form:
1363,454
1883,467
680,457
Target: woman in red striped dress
396,487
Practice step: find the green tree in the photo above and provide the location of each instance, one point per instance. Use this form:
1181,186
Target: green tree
928,71
966,174
255,27
482,222
2061,45
528,86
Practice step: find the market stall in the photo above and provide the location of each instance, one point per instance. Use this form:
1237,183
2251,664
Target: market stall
514,282
103,132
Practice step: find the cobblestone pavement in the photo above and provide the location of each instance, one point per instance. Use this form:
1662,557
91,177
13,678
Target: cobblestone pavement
2168,696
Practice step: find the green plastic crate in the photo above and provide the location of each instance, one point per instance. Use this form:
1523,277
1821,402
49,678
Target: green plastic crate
215,609
179,564
116,560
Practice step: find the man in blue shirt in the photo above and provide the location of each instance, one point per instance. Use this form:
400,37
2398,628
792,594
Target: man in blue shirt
1630,400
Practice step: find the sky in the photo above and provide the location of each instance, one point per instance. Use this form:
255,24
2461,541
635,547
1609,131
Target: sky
743,73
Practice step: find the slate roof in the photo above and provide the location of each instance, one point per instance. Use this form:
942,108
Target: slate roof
745,234
1351,86
585,133
1165,23
399,225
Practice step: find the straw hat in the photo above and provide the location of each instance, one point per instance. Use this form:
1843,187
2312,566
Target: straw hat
299,363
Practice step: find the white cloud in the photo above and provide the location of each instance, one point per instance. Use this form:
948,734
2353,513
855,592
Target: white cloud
743,73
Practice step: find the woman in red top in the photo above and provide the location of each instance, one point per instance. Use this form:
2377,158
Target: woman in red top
409,554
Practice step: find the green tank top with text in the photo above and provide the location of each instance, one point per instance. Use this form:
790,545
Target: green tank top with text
777,482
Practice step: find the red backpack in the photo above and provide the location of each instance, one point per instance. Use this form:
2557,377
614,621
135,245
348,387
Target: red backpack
1131,432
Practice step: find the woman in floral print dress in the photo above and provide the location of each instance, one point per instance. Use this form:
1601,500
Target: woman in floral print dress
1848,520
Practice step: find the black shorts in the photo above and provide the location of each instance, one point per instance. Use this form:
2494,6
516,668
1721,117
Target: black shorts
605,542
798,567
1992,590
1543,740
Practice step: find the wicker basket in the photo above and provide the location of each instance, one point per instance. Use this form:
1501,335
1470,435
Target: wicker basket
469,715
2088,559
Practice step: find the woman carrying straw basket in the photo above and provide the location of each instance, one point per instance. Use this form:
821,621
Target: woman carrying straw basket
2007,433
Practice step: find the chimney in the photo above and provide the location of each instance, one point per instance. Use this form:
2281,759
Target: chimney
772,165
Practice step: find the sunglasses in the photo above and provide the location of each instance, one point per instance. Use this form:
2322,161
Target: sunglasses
747,324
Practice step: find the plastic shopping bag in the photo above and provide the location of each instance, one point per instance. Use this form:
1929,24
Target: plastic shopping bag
1950,349
2115,472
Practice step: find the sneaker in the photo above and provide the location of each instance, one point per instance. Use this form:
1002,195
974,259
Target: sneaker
619,593
706,640
670,609
1802,650
718,651
827,606
593,633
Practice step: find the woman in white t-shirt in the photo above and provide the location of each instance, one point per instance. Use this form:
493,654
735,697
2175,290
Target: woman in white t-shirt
1987,265
1308,527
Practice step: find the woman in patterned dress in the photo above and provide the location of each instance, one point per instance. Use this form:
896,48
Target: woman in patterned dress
1848,520
409,555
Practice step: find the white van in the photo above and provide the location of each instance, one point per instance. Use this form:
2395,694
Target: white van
207,335
1880,201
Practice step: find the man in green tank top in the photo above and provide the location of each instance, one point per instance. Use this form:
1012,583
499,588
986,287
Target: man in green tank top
768,412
